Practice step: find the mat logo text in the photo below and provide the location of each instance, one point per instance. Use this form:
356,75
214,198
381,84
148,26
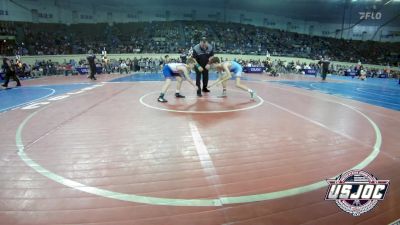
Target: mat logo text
60,97
356,191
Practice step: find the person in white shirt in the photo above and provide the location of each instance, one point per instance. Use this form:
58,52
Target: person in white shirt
123,67
176,70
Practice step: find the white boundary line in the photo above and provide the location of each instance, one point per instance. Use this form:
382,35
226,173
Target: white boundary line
141,100
190,202
396,222
204,157
355,97
32,101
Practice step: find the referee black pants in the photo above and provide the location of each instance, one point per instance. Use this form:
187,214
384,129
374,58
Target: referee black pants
92,71
13,76
205,78
324,73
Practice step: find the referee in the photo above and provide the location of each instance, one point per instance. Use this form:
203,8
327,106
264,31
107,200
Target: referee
202,53
9,70
92,64
324,63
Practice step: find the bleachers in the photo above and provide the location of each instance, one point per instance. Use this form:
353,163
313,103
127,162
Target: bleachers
172,37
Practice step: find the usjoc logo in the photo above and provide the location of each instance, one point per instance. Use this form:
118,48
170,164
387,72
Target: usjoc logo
356,191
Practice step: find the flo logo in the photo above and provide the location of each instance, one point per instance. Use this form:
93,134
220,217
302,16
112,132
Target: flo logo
370,15
356,191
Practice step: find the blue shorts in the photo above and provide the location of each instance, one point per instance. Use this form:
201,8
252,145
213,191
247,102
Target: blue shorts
236,69
237,72
168,73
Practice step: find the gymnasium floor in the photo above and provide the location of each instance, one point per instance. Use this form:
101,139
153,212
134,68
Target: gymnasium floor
105,152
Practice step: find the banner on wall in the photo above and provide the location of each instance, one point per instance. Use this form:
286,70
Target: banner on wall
350,73
7,37
86,70
253,69
160,39
310,72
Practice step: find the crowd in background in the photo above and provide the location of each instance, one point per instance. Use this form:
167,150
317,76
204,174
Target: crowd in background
171,37
272,67
178,37
7,29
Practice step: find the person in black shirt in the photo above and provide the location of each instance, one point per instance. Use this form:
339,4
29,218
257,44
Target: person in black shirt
92,65
9,70
202,52
324,63
166,60
358,68
183,56
136,65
